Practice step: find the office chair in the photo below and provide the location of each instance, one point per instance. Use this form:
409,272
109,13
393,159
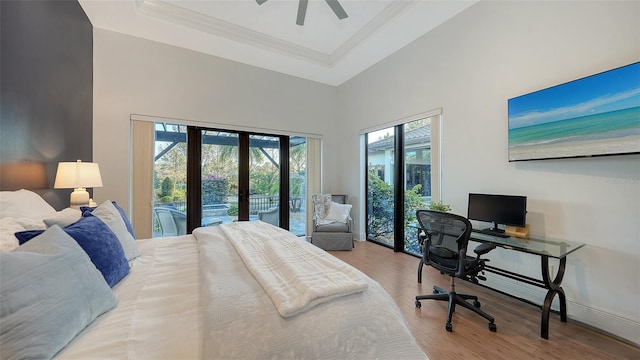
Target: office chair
444,246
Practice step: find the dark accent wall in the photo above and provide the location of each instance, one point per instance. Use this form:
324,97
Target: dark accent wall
46,77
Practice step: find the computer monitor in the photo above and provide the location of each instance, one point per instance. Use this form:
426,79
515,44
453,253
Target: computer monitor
498,209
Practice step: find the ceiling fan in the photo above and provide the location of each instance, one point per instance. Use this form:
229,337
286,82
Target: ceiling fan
302,9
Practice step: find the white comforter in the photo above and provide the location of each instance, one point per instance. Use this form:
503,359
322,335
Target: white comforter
195,299
240,320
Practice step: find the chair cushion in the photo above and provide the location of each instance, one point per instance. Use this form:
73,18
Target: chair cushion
443,252
332,227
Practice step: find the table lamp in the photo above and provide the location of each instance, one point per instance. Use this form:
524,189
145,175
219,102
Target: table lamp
78,176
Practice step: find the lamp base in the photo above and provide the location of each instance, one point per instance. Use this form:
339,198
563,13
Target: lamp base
79,197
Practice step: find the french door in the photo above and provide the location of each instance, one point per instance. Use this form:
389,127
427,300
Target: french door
236,176
208,177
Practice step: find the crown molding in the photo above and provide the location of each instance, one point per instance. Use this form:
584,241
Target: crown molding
163,10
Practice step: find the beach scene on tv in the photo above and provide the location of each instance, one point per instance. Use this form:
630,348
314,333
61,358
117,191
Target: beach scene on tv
596,115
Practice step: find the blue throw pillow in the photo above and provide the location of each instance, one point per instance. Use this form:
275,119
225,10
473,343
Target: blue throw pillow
127,223
24,236
99,242
50,292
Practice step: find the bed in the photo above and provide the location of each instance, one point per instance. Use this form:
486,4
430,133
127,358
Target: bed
247,290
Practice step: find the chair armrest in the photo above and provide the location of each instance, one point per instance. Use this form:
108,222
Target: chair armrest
484,248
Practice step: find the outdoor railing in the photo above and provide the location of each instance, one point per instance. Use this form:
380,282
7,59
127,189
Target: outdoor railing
256,203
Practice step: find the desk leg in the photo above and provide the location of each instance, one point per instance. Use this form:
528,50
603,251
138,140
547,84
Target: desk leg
421,262
554,288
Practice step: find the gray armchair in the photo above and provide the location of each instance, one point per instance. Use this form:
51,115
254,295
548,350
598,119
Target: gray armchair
271,216
172,222
334,235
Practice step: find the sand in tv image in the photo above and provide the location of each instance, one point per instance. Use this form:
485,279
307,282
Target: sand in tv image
593,116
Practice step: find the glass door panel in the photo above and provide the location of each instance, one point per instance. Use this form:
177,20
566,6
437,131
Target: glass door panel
170,180
380,191
219,181
297,185
417,175
232,176
264,178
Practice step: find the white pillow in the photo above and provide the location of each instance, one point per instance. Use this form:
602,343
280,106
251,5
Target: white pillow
63,218
108,213
31,224
8,239
23,204
338,212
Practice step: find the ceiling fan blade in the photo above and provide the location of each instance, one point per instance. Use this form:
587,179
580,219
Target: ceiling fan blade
260,2
337,9
302,11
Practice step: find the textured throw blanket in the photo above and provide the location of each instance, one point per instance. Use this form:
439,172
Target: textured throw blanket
295,274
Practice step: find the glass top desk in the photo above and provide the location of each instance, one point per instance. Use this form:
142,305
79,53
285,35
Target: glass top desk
545,248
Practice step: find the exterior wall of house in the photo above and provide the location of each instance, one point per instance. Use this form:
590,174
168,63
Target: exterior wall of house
469,67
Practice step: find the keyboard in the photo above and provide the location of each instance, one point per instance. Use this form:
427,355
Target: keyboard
490,232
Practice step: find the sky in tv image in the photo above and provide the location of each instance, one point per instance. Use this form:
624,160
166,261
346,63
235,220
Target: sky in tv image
597,94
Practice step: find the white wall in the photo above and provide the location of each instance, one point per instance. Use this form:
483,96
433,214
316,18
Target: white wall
469,67
136,76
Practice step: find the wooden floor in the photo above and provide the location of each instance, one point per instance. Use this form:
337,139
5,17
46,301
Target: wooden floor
518,335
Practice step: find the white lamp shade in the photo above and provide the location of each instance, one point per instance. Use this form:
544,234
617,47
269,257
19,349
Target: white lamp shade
72,175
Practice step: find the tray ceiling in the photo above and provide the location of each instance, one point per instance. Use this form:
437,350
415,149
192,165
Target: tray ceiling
325,49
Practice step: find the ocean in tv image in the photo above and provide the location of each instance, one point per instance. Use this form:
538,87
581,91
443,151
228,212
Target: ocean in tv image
596,115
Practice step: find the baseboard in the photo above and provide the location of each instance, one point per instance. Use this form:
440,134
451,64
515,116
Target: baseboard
624,329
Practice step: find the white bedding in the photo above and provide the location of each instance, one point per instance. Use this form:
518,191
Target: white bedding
176,304
240,320
158,310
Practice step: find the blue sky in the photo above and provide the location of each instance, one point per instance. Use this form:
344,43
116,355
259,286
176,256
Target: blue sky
608,91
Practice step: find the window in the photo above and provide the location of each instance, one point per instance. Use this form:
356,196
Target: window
402,176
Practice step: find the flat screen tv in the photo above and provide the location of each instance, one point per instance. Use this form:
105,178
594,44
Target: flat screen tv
593,116
498,209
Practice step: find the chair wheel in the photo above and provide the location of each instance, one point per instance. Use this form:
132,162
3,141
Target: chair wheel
418,304
492,327
476,304
449,327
